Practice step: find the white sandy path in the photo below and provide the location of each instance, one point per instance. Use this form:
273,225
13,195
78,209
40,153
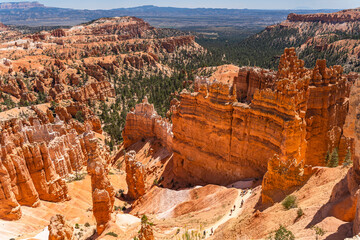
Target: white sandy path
234,214
43,235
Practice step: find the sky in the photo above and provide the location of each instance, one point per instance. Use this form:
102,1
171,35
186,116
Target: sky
252,4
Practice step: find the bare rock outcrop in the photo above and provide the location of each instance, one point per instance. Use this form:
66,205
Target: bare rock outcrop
220,140
103,194
352,130
36,154
9,207
144,122
135,175
59,229
146,232
278,124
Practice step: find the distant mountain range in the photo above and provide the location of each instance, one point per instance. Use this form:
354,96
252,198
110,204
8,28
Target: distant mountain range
36,14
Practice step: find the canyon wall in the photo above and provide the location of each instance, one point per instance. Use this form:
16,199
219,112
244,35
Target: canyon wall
352,130
328,106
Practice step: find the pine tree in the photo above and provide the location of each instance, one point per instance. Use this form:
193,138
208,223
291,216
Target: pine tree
327,158
334,160
347,160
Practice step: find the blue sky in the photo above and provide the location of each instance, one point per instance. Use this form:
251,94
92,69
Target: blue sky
254,4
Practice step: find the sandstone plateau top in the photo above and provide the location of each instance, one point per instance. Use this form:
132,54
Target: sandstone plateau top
349,15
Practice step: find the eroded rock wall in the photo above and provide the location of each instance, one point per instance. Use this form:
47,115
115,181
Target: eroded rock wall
220,140
59,229
37,152
352,130
260,121
144,122
328,106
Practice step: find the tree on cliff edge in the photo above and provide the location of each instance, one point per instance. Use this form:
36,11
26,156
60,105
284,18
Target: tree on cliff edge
334,159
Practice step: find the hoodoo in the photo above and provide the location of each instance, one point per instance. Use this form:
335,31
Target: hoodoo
103,194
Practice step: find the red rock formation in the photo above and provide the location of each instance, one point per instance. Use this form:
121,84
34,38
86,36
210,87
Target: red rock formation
103,193
283,177
47,182
171,44
251,79
58,33
219,140
9,207
126,27
146,232
59,229
35,155
138,62
144,122
135,175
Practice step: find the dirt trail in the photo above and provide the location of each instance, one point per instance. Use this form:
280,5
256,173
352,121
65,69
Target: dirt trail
229,216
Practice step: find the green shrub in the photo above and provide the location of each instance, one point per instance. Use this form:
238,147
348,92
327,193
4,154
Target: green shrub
79,116
144,219
318,231
289,202
300,212
282,234
112,234
87,224
77,226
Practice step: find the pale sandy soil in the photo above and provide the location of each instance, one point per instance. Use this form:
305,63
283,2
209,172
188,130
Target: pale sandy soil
313,198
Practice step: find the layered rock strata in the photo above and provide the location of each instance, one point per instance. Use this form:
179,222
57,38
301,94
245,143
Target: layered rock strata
352,130
278,123
103,193
144,122
37,153
351,15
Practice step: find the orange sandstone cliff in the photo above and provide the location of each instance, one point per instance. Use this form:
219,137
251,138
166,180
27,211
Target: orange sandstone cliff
255,124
